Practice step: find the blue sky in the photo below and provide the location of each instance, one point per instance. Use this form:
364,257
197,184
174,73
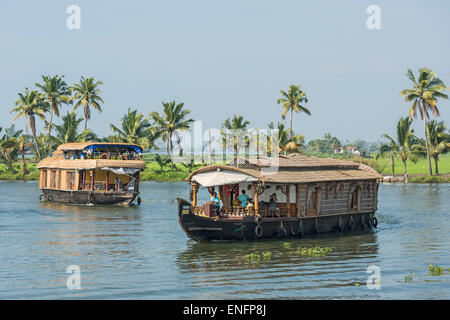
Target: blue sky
226,57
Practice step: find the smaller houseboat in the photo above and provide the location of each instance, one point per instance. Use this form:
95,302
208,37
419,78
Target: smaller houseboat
92,173
304,195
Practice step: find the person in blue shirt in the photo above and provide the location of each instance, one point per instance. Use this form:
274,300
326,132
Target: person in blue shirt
243,198
215,199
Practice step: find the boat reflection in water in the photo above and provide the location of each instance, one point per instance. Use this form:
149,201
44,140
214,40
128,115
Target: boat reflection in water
286,273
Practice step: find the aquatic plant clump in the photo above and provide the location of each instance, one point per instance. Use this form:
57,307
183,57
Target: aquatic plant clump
435,270
314,251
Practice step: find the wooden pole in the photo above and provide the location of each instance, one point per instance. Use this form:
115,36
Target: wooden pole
194,193
288,200
92,179
297,200
255,197
106,180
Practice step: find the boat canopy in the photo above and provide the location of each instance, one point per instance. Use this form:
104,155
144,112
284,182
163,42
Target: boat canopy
221,177
95,147
126,171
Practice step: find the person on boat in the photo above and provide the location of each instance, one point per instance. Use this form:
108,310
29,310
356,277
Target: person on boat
215,199
243,198
118,183
273,209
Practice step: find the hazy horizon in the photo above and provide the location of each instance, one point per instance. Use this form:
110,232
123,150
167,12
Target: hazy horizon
231,57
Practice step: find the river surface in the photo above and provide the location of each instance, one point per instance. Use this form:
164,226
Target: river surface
141,252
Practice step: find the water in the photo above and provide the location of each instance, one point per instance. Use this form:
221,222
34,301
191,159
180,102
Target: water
141,252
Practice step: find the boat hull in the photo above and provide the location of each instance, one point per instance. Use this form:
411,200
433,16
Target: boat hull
88,197
201,228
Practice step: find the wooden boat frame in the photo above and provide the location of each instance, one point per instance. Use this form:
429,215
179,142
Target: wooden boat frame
345,195
73,175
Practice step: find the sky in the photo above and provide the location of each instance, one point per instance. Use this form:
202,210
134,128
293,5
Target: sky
227,57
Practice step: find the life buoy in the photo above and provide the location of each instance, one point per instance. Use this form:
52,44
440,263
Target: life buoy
374,222
259,231
49,197
139,200
42,197
340,225
104,156
352,224
296,233
316,226
281,232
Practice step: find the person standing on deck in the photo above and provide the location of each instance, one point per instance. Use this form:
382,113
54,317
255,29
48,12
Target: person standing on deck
243,198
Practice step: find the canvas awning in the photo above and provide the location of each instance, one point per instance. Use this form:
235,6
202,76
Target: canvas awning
219,178
127,171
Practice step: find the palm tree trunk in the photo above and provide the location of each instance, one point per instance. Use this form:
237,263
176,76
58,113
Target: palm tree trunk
290,134
24,165
50,124
171,152
405,173
392,165
436,170
85,117
33,130
428,146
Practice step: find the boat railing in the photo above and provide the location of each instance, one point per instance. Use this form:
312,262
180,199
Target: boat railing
244,211
106,155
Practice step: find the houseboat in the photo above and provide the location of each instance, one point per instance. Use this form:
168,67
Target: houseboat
293,196
92,173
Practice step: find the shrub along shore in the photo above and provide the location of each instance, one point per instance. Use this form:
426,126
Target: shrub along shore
153,171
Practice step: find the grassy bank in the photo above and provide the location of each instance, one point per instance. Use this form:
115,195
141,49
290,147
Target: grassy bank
417,172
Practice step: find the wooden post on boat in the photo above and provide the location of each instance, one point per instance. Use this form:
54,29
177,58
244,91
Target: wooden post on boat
288,200
92,179
84,180
297,200
106,180
255,197
194,193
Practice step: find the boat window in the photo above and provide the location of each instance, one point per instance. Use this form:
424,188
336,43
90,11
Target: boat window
53,179
354,199
44,178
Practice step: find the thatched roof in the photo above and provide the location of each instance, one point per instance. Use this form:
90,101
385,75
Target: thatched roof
297,168
61,163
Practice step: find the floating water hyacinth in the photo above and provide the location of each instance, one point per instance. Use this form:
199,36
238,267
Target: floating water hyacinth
435,270
314,251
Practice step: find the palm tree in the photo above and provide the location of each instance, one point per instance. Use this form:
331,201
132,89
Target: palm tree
8,146
87,93
236,127
68,130
190,165
162,161
439,142
424,94
170,123
56,92
23,142
292,101
287,141
30,105
136,129
390,150
401,147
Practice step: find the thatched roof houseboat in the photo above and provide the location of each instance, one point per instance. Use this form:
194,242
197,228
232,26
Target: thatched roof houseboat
92,172
290,195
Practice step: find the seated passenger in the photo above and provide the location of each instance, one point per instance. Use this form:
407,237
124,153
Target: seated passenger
273,204
215,199
243,198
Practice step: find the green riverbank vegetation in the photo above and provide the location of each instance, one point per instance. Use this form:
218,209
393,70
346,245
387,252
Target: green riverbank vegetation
54,105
